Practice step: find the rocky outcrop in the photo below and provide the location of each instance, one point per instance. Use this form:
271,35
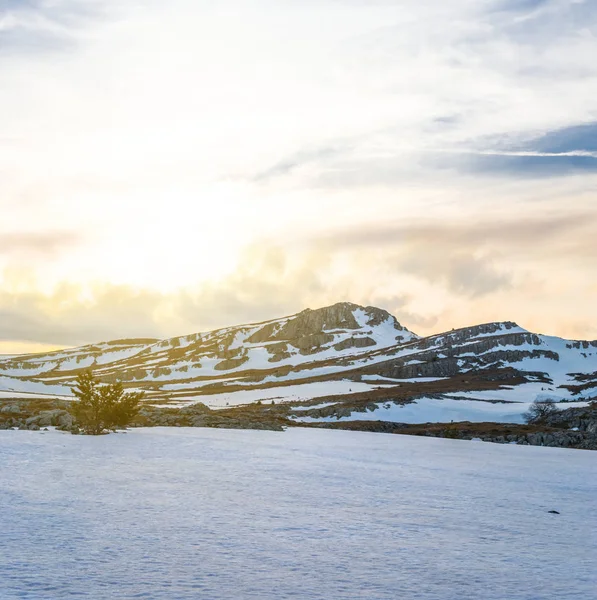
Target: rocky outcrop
309,328
264,334
355,342
311,343
199,415
463,351
11,408
57,418
583,419
231,363
308,322
279,357
584,345
486,432
35,414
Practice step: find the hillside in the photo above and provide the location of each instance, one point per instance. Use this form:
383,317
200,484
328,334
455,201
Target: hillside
335,357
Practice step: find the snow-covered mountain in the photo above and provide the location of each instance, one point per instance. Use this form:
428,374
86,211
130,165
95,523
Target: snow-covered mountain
344,349
295,347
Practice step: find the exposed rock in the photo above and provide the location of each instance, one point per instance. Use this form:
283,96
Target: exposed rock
311,343
231,363
278,357
199,415
447,356
582,418
355,342
309,322
278,348
264,334
585,345
501,433
57,418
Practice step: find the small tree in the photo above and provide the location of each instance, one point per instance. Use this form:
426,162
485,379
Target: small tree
105,407
539,412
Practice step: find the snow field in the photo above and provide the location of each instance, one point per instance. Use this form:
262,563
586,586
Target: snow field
309,514
442,410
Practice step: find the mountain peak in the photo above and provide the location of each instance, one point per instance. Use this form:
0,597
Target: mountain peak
347,315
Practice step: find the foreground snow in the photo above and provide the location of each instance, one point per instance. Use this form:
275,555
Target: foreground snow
197,513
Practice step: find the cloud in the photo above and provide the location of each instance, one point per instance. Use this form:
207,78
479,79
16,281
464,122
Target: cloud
576,138
497,232
519,6
37,243
298,160
474,258
462,273
431,277
71,315
526,165
535,21
267,283
36,26
559,152
398,305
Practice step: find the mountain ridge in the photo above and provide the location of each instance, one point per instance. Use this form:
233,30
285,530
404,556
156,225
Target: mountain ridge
339,349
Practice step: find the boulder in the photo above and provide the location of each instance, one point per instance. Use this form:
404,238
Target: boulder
57,417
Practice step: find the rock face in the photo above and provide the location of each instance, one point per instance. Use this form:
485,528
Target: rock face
312,329
491,346
309,322
583,419
231,363
362,342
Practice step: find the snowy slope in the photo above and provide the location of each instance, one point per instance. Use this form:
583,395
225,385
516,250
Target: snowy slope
292,346
440,410
309,514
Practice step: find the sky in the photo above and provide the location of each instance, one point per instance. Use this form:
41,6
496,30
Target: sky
167,168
